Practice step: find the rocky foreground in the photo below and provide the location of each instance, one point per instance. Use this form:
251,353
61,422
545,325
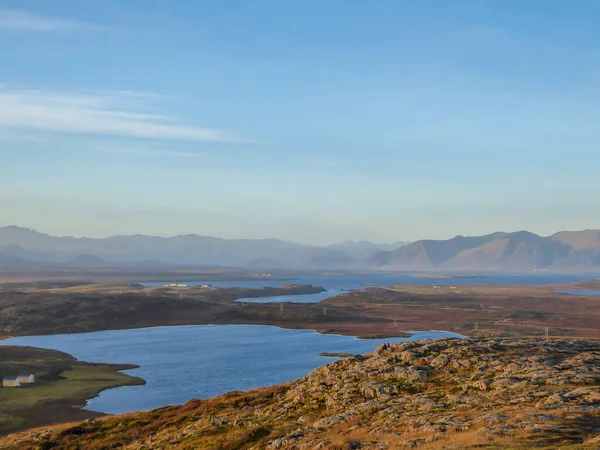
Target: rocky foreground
471,393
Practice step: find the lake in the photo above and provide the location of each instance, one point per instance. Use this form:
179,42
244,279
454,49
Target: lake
338,284
180,363
583,292
185,362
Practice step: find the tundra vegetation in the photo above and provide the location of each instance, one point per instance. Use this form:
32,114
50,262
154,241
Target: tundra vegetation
373,312
452,393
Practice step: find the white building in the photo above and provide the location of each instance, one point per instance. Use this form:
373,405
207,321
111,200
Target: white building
11,382
26,378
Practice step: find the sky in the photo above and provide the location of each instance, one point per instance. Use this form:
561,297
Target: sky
314,121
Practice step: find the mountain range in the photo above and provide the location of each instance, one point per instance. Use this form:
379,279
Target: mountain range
518,251
23,246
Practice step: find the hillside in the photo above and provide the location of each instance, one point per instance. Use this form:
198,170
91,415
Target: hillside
471,393
579,240
520,251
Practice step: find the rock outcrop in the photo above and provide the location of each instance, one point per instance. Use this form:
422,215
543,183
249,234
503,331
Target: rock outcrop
451,393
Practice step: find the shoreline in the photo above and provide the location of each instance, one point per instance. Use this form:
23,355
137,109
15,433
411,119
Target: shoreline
399,334
411,380
62,388
119,368
371,312
79,407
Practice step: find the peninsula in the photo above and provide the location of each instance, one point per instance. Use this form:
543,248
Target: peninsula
62,386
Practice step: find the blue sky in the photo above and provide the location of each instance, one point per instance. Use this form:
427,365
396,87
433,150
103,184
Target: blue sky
314,120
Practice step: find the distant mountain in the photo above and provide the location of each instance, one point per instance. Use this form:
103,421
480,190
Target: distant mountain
584,248
13,261
87,260
17,251
520,251
184,250
579,240
361,249
36,246
264,263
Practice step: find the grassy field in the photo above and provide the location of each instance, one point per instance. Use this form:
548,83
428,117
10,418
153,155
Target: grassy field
62,387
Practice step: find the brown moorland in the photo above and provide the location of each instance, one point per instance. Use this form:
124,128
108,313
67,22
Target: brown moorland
374,312
481,310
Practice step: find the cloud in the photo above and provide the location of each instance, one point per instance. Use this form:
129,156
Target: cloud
12,19
115,114
147,152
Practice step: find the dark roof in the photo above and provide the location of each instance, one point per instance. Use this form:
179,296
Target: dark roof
25,375
10,378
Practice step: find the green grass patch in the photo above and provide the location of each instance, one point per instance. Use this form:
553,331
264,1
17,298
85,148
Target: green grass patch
80,382
62,387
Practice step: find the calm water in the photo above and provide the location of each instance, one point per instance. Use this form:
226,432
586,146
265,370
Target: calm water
591,293
336,285
180,363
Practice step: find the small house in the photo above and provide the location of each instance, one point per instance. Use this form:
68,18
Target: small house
27,378
11,382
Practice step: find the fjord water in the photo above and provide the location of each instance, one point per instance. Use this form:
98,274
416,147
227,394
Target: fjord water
582,292
181,363
338,284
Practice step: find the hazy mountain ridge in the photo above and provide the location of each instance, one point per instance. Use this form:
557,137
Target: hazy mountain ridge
362,249
29,245
519,251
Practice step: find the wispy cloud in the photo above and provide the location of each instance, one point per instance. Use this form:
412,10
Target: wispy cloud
145,151
111,114
13,19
